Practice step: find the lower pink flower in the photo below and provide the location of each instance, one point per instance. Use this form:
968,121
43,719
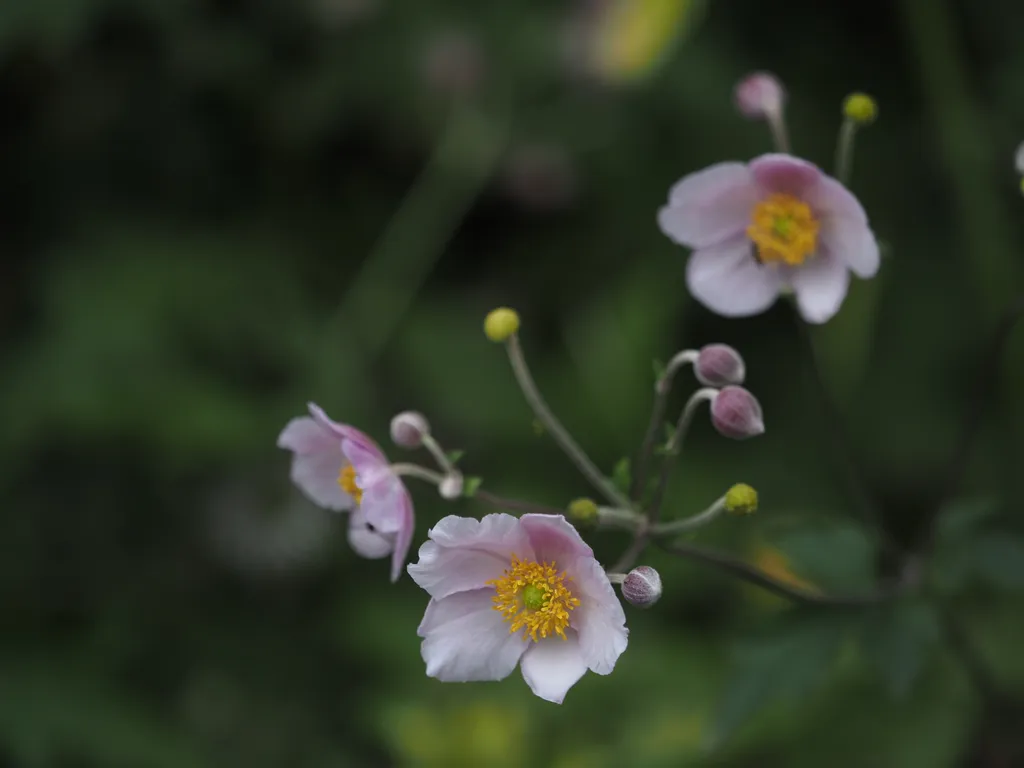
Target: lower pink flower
509,591
340,468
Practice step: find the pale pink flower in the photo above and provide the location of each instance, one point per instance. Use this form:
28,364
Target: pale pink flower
774,225
340,468
507,591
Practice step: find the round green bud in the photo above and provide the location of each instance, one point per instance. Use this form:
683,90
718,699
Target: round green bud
860,108
501,323
583,511
741,499
533,597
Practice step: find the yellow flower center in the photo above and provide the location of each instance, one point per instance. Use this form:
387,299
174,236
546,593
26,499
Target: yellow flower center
534,598
347,481
783,229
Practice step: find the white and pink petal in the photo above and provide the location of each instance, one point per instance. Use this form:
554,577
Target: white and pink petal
552,666
599,619
728,280
709,206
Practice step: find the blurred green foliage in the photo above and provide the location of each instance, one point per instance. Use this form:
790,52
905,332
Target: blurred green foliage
216,210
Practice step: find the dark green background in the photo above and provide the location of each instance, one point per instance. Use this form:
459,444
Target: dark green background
216,210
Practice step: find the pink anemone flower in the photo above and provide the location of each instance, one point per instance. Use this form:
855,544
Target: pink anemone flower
775,225
340,468
509,591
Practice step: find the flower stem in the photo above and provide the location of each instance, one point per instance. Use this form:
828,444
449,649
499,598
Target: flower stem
844,150
662,388
438,453
690,523
673,447
777,124
746,572
565,441
420,473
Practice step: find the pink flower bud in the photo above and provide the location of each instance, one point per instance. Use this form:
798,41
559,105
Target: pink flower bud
737,414
719,365
451,487
642,586
759,95
408,429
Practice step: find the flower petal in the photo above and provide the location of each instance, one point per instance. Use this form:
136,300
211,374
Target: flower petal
820,285
464,553
384,503
304,435
365,541
728,280
465,639
709,206
317,462
852,243
599,619
404,536
830,198
552,666
554,539
370,464
778,173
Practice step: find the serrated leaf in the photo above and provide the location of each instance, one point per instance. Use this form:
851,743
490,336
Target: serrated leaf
898,639
622,474
455,456
470,485
785,663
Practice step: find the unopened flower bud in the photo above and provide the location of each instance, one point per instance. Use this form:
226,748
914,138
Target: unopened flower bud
582,512
860,108
408,429
759,95
719,365
741,499
451,486
642,586
501,323
737,414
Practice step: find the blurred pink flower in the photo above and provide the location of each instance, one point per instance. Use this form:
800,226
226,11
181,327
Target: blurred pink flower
507,591
340,468
773,225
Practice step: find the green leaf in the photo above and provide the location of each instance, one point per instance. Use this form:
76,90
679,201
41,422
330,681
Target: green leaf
961,517
454,456
470,485
998,559
898,639
834,555
622,474
785,663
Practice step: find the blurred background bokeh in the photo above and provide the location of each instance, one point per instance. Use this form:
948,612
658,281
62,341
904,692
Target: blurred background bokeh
216,210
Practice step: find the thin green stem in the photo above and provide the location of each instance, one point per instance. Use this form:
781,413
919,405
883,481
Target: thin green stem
690,523
673,447
662,389
438,453
752,575
415,237
844,150
561,436
780,136
420,473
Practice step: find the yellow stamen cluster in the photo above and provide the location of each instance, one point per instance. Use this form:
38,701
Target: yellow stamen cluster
534,598
784,230
347,481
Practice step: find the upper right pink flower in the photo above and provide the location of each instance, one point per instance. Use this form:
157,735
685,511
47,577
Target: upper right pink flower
774,225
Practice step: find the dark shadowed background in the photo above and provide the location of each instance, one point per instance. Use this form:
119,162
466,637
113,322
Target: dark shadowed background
216,210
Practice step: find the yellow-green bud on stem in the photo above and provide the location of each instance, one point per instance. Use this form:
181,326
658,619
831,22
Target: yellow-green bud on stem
583,511
741,499
860,108
501,323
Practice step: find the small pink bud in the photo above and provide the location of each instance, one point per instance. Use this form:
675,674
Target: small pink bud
451,487
759,95
642,586
408,429
719,365
737,414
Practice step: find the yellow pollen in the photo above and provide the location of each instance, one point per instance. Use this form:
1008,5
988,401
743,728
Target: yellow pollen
534,598
347,481
783,229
